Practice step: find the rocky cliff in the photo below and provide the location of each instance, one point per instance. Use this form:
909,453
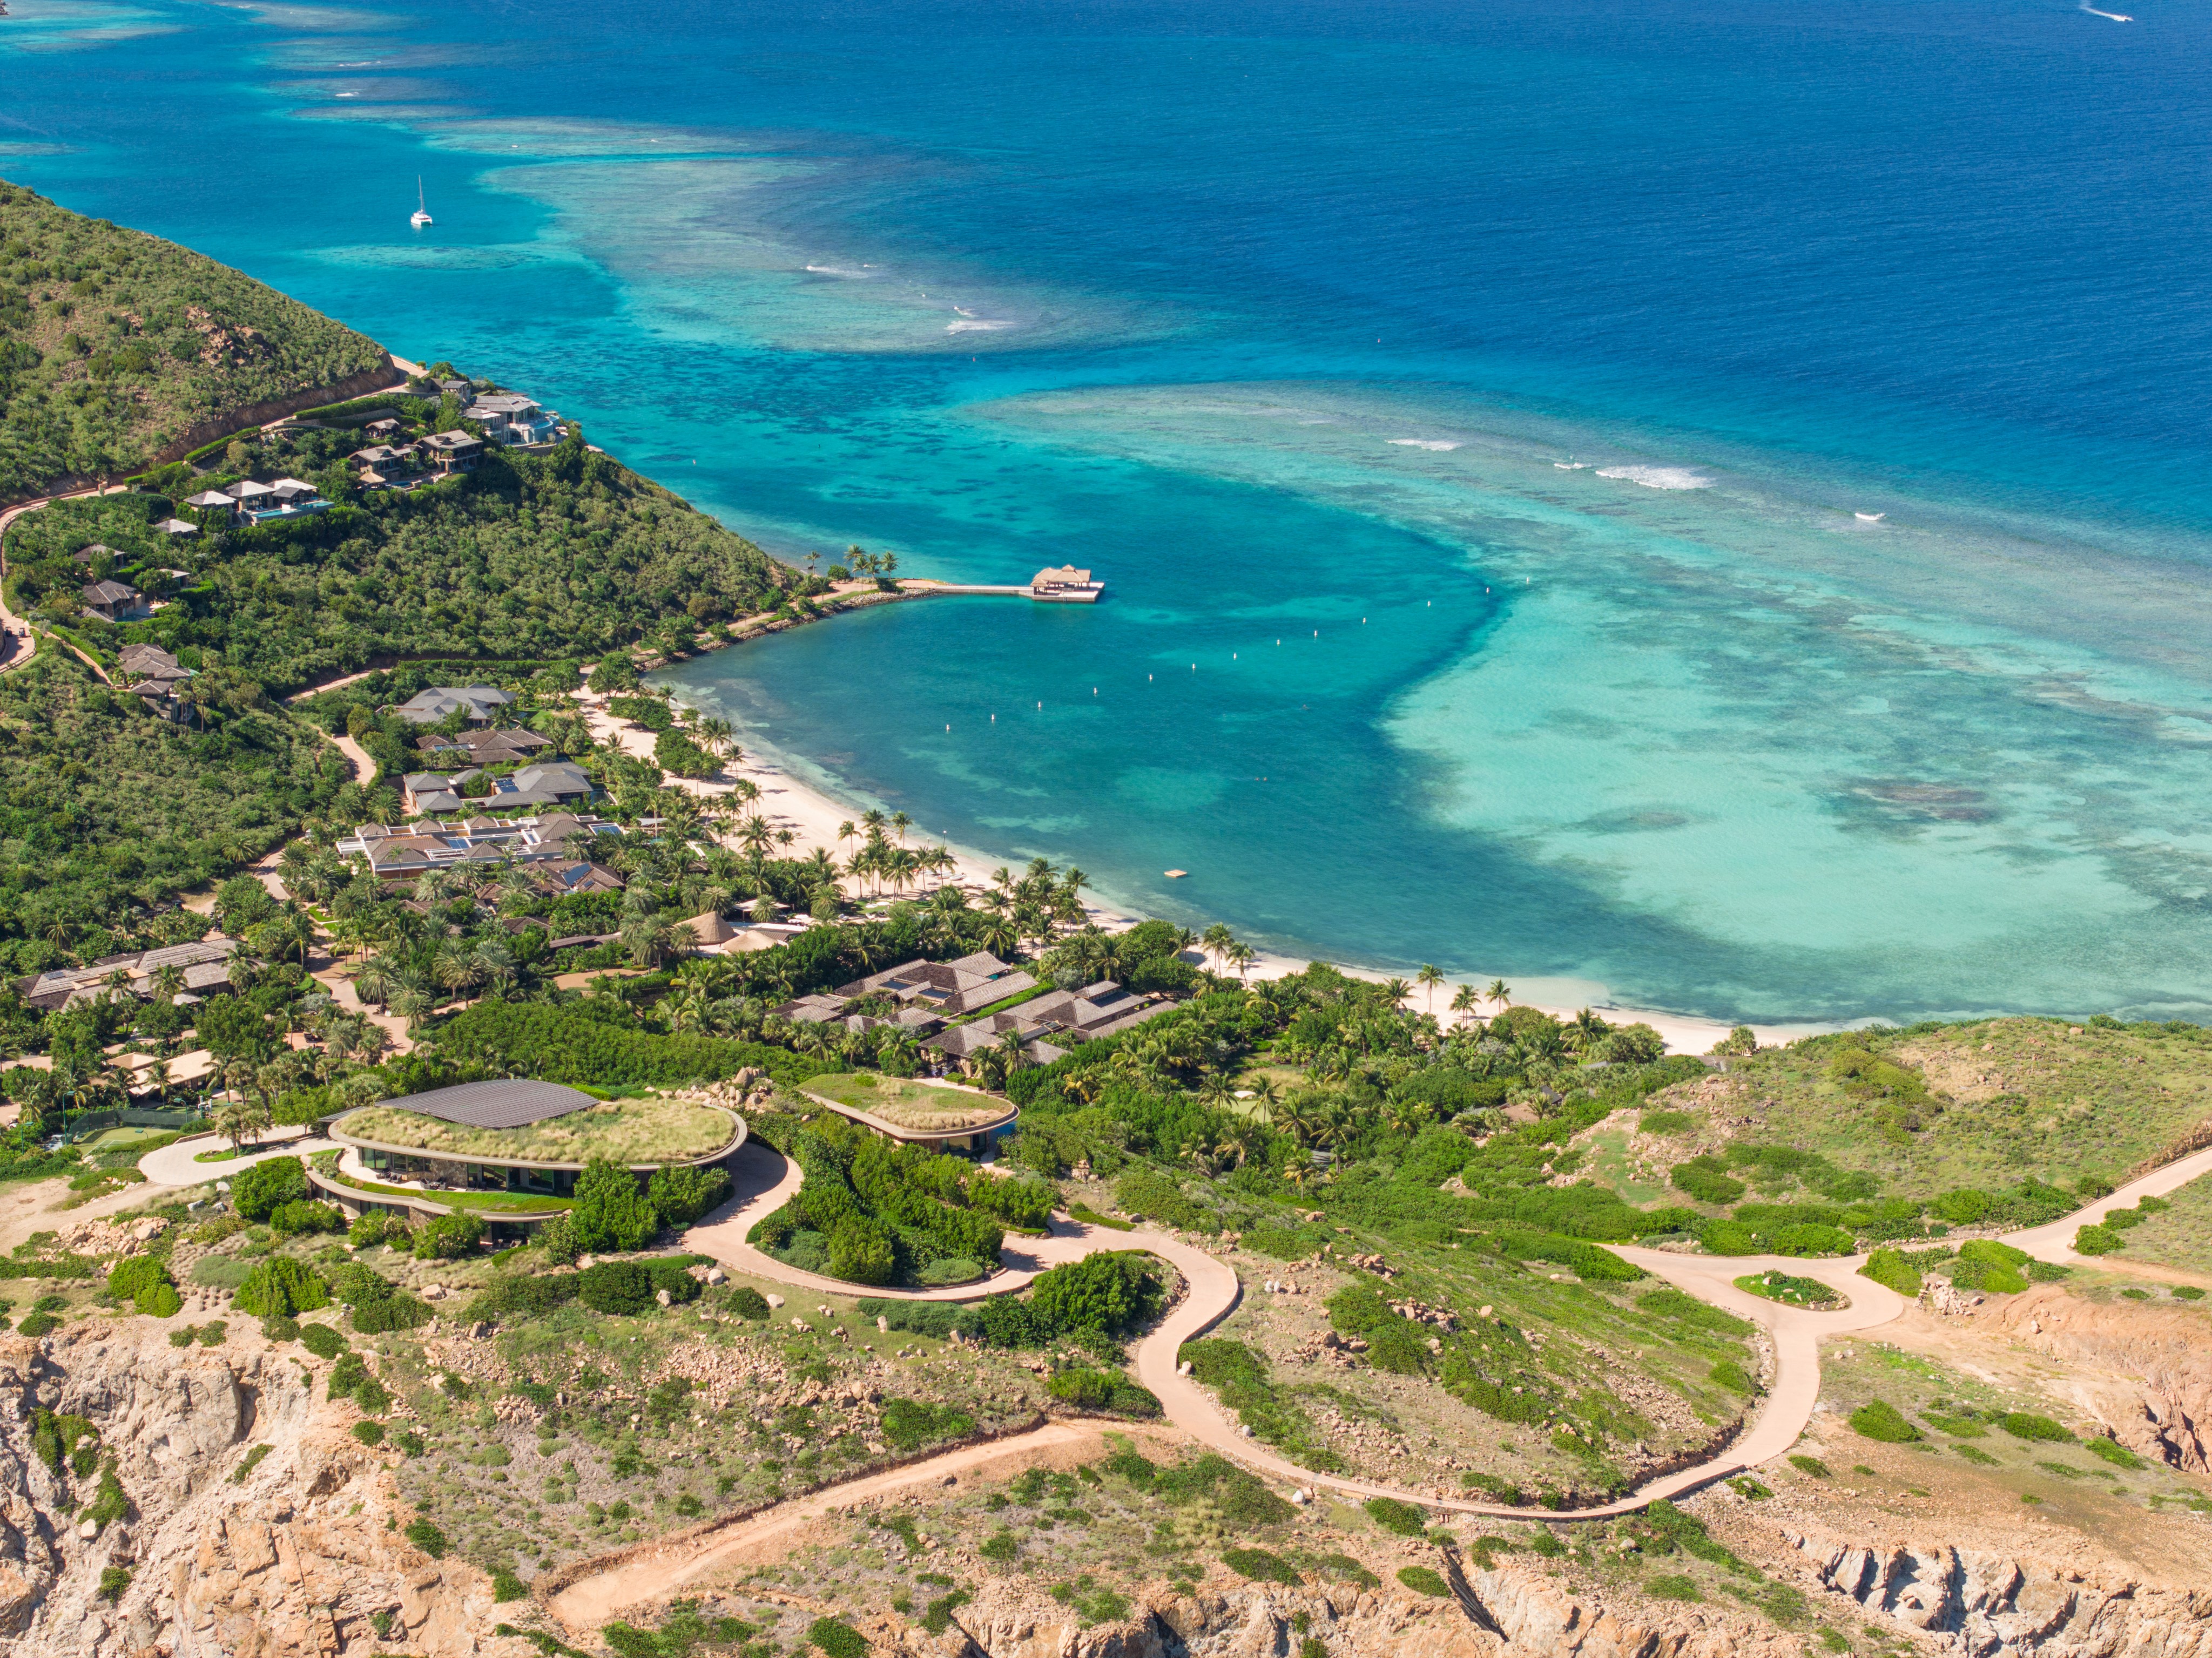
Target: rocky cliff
141,1516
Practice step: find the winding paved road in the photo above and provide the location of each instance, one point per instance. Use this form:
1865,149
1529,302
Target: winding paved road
1213,1290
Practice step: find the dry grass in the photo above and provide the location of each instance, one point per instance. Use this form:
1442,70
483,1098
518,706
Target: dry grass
629,1131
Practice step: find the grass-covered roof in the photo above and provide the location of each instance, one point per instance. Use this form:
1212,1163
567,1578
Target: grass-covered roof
645,1131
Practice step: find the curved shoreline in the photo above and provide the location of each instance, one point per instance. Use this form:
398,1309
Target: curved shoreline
799,793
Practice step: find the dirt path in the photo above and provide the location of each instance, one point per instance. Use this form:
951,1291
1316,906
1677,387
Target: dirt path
590,1601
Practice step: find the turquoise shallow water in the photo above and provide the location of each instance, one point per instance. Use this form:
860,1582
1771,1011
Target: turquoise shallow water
1526,376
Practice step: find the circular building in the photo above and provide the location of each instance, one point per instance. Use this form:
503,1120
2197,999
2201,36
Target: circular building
509,1151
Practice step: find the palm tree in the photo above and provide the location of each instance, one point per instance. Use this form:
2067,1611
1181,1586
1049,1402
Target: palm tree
1466,999
1499,994
1216,941
168,982
1241,957
373,981
1429,978
1586,1032
900,824
1396,990
238,1119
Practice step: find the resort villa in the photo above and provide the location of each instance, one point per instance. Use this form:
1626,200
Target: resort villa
202,969
116,601
428,708
413,849
531,788
509,1151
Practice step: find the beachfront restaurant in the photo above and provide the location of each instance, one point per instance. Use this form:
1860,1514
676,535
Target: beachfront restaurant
510,1151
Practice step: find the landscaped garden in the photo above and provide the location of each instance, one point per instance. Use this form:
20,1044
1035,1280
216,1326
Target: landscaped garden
873,1213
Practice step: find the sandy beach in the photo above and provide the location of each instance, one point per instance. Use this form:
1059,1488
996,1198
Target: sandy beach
813,818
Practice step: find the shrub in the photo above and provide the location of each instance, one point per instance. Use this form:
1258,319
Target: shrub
369,1433
1732,1376
280,1285
1112,1292
2026,1424
113,1580
257,1190
145,1283
348,1374
1423,1580
610,1212
249,1462
2098,1241
449,1237
835,1640
1345,1568
183,1337
213,1332
426,1537
621,1287
520,1296
1688,1309
392,1312
1889,1268
910,1423
378,1226
1673,1586
1878,1419
748,1302
2111,1451
1813,1466
302,1215
680,1195
372,1396
1707,1179
505,1586
1393,1515
1000,1547
322,1340
1259,1566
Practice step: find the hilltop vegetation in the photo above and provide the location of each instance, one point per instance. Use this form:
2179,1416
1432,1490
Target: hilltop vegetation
528,558
114,341
106,808
1987,1104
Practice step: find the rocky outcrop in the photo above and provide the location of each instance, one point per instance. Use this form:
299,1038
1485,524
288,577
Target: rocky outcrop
2143,1368
1982,1603
1513,1611
296,1552
1257,1621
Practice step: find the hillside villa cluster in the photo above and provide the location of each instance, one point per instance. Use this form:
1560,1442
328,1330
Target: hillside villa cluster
941,1000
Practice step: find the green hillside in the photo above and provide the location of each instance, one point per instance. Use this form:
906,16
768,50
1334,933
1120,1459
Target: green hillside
112,343
530,557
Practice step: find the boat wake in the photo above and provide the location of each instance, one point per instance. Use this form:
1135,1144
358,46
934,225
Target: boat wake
1869,518
2117,16
1437,444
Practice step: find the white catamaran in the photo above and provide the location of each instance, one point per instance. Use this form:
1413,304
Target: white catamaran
421,216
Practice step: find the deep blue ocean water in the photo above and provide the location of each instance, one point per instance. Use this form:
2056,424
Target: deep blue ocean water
1525,374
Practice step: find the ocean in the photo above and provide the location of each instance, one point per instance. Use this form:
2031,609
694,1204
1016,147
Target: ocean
1683,507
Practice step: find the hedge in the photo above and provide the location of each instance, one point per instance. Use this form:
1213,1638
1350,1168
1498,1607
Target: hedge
577,1041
